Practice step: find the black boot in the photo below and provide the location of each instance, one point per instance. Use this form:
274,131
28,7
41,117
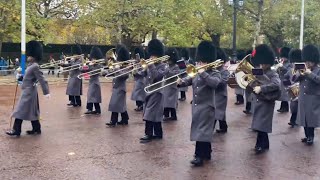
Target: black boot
16,131
248,108
284,107
240,100
197,161
124,118
223,127
114,120
148,132
36,128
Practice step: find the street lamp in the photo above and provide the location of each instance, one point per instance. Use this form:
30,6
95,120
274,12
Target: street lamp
236,4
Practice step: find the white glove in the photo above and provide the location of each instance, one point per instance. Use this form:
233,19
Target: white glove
308,71
201,70
280,65
179,81
47,96
117,66
257,89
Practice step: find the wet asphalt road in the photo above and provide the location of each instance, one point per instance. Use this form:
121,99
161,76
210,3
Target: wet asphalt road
74,146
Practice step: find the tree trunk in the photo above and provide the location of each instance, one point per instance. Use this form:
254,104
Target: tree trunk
215,38
0,46
258,23
154,34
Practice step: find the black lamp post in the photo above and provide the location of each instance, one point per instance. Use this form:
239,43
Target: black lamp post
236,4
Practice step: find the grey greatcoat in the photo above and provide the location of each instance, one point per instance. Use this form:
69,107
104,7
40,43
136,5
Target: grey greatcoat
170,93
28,105
94,89
309,99
263,110
153,106
221,95
138,93
118,98
74,87
282,72
203,104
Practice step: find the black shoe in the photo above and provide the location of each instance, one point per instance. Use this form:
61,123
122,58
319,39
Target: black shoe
304,140
156,137
138,109
96,112
34,132
247,112
76,105
111,124
222,130
70,104
146,139
260,150
190,102
13,133
292,124
182,99
310,141
282,110
197,161
89,112
123,122
238,103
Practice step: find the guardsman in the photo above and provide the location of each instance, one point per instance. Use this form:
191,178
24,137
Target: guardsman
118,99
170,93
284,66
153,107
94,89
138,93
28,105
309,95
204,85
265,95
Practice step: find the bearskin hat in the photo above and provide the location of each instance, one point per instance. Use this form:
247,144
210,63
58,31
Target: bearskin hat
284,52
76,49
185,53
123,54
241,55
118,47
155,48
221,54
263,54
310,53
96,53
35,50
295,56
174,55
140,51
206,52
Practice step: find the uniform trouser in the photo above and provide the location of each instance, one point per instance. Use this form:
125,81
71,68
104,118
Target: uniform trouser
153,128
96,106
223,123
139,103
76,100
183,94
168,111
124,116
18,123
52,71
293,118
248,106
262,140
203,150
284,105
309,132
240,98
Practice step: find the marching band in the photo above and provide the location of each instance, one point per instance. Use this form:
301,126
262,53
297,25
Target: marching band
158,81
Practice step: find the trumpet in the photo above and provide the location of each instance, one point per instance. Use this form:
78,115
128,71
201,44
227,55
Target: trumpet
58,62
191,71
143,64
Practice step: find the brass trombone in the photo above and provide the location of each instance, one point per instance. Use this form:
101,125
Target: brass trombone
58,62
143,64
191,71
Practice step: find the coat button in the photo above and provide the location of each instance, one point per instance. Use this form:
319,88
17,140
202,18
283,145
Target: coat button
304,93
197,87
304,86
195,95
195,104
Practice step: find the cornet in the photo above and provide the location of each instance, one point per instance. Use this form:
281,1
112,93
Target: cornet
143,64
191,71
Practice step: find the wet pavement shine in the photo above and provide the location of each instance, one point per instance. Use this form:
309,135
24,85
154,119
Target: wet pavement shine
74,146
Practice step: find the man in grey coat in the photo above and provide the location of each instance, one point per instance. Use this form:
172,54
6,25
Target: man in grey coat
265,94
309,95
74,87
28,105
294,57
118,98
221,94
282,70
204,84
153,107
138,93
170,93
94,89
